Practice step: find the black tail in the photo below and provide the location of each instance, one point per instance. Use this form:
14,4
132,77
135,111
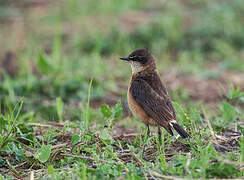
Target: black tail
179,129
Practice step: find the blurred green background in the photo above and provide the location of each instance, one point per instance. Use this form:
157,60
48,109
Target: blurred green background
50,50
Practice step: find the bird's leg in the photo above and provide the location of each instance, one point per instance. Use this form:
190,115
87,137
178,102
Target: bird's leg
159,135
148,130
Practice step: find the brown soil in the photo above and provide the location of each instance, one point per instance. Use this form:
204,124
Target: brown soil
9,63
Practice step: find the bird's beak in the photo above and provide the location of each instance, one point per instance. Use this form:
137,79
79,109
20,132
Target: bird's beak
125,58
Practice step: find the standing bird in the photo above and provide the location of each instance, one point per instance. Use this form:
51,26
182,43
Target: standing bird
147,97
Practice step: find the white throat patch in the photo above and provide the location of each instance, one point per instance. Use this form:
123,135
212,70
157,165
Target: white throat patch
136,66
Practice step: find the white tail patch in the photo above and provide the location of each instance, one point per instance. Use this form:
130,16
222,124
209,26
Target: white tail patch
179,129
172,122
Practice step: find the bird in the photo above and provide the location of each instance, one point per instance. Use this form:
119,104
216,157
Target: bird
147,97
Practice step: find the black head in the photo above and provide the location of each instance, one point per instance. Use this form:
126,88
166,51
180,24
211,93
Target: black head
142,56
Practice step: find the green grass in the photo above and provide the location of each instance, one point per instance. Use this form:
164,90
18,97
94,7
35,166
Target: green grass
73,152
65,61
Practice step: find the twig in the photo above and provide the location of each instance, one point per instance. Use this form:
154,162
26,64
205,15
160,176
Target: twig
39,171
126,135
221,146
59,146
19,165
107,149
77,144
39,125
45,125
139,163
81,157
32,175
153,173
56,124
231,162
124,154
209,124
124,151
12,168
222,138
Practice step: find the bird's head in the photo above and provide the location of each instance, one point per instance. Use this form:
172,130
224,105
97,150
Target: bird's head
139,59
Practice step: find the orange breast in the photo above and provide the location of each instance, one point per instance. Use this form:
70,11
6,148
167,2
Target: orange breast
138,111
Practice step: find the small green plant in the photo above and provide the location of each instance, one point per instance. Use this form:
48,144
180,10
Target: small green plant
234,93
44,65
227,116
242,150
59,106
161,152
75,139
11,123
111,114
43,153
87,111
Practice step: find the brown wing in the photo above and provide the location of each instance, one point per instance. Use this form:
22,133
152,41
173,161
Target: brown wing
157,107
154,81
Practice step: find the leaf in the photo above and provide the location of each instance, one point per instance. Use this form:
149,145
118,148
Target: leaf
105,110
2,161
105,135
221,170
28,153
3,124
75,139
117,110
16,149
240,128
43,153
24,128
242,149
228,111
84,173
234,92
43,65
59,106
50,170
